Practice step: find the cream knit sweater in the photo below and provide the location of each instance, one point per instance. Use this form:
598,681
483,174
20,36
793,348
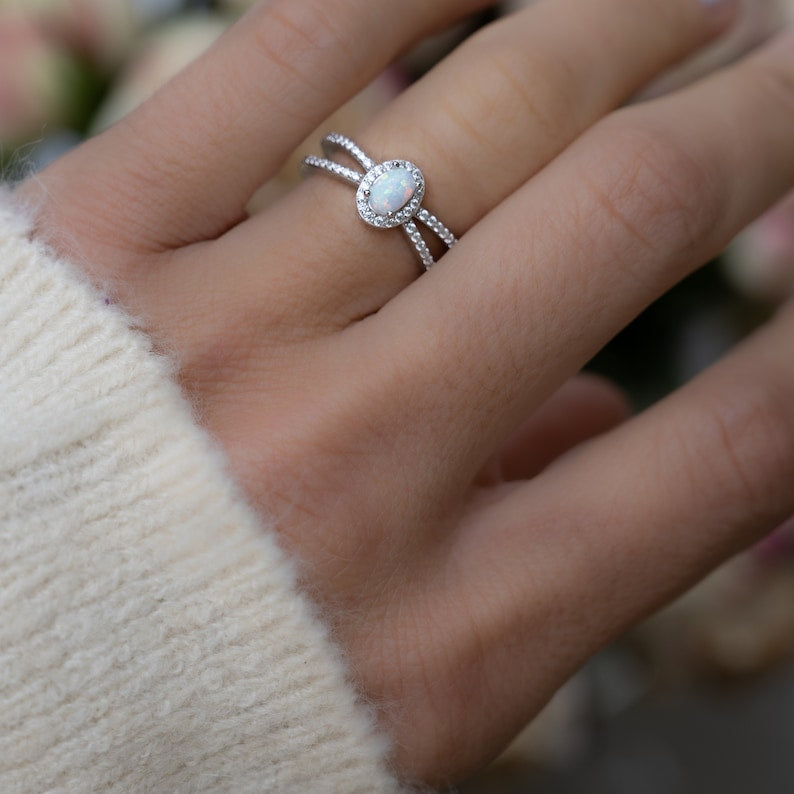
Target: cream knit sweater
151,634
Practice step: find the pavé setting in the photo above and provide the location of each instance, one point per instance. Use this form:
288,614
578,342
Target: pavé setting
388,195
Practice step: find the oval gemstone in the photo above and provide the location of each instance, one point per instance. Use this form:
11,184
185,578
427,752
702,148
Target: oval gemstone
392,191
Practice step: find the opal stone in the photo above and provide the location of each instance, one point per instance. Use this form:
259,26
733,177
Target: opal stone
392,191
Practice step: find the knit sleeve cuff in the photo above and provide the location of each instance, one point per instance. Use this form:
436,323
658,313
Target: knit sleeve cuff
151,633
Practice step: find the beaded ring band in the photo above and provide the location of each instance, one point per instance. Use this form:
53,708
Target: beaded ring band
389,194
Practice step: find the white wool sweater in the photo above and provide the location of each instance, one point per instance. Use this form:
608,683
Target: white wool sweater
151,634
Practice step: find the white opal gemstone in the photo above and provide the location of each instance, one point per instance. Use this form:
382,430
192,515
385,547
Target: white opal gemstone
392,191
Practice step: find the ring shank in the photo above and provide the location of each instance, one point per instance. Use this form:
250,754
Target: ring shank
335,142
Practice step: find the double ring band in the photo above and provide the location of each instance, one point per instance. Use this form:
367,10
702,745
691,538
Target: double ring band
388,194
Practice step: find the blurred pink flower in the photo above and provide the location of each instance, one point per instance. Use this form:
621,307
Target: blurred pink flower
100,31
34,78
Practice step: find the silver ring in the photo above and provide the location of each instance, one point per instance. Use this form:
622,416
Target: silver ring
389,194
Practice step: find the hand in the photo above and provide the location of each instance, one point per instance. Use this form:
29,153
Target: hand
406,433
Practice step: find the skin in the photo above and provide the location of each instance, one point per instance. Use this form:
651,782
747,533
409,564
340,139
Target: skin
474,523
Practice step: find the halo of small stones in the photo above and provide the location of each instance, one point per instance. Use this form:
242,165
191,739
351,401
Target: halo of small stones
396,218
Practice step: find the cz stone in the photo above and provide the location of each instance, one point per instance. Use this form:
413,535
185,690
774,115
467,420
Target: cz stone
392,191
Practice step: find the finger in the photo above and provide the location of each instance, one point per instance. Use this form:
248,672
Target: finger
608,534
546,279
487,119
182,167
701,475
582,408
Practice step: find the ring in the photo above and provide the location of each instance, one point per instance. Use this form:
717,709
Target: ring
389,194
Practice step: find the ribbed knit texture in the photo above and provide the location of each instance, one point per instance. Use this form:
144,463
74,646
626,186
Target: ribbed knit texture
151,635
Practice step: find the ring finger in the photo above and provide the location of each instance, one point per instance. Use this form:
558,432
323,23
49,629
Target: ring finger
492,115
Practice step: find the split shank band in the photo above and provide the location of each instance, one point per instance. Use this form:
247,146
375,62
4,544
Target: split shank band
389,194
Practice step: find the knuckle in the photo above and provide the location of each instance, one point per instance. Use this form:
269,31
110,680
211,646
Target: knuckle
506,87
652,185
214,357
514,78
545,86
290,34
746,442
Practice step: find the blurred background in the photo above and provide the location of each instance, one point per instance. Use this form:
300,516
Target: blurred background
700,698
